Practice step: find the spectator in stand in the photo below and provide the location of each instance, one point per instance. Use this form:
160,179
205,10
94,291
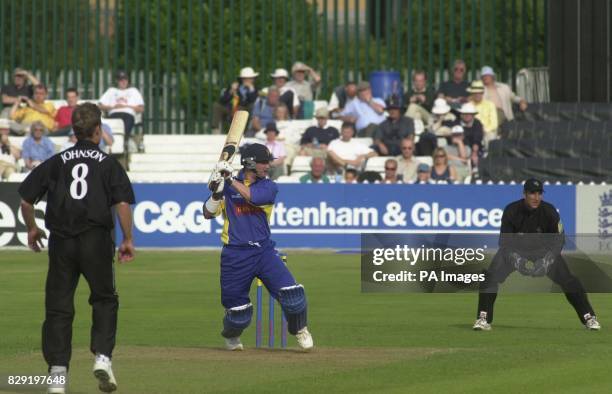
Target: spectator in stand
345,152
350,175
454,91
240,95
473,132
280,76
281,113
459,154
20,88
442,118
487,113
277,148
123,102
63,117
501,95
391,172
406,163
423,174
366,112
303,87
393,130
341,97
442,171
33,110
421,98
263,110
317,172
316,139
9,154
37,147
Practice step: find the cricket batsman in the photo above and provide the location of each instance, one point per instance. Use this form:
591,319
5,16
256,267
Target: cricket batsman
246,203
531,241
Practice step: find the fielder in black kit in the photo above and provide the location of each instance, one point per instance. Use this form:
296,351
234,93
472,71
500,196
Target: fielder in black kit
531,240
82,185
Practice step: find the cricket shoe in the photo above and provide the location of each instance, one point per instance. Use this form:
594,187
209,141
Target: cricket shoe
57,380
591,323
304,339
104,373
233,344
481,323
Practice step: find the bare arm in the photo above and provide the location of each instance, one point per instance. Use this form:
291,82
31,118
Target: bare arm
6,99
377,107
126,249
316,78
138,108
35,234
105,108
33,80
38,107
15,108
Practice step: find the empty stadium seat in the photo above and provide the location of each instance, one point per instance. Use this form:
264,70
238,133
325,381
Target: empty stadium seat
301,164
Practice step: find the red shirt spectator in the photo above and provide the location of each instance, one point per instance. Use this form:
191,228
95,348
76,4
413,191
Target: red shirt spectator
63,118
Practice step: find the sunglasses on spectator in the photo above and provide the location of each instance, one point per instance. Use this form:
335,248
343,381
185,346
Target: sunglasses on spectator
407,148
390,168
37,129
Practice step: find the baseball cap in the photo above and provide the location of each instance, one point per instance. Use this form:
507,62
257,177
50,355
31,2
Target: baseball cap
422,167
487,70
121,75
533,185
394,102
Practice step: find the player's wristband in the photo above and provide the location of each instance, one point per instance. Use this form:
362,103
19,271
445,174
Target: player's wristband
212,205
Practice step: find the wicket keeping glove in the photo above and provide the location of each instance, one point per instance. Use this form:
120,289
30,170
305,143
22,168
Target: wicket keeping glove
542,266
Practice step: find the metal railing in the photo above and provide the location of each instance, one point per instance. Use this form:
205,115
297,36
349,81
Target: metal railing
181,53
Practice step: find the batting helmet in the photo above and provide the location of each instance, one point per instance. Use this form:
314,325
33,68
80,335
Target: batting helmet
255,153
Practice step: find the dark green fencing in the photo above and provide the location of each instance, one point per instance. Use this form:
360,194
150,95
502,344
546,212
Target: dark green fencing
181,53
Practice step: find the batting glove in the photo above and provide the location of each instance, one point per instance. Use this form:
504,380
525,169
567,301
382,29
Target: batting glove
225,169
216,185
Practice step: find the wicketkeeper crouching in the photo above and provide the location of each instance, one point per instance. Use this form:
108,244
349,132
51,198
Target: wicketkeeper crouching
531,240
246,203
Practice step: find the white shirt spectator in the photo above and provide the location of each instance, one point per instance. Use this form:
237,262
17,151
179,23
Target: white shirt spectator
348,150
129,96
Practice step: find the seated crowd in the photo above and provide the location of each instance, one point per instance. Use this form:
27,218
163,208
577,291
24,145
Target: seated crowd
28,113
450,126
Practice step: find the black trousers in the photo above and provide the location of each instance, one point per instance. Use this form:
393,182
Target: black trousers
91,254
501,267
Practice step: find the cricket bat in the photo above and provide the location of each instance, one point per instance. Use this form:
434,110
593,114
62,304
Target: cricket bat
234,135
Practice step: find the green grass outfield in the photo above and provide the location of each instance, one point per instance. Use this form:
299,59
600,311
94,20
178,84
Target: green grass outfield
170,318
